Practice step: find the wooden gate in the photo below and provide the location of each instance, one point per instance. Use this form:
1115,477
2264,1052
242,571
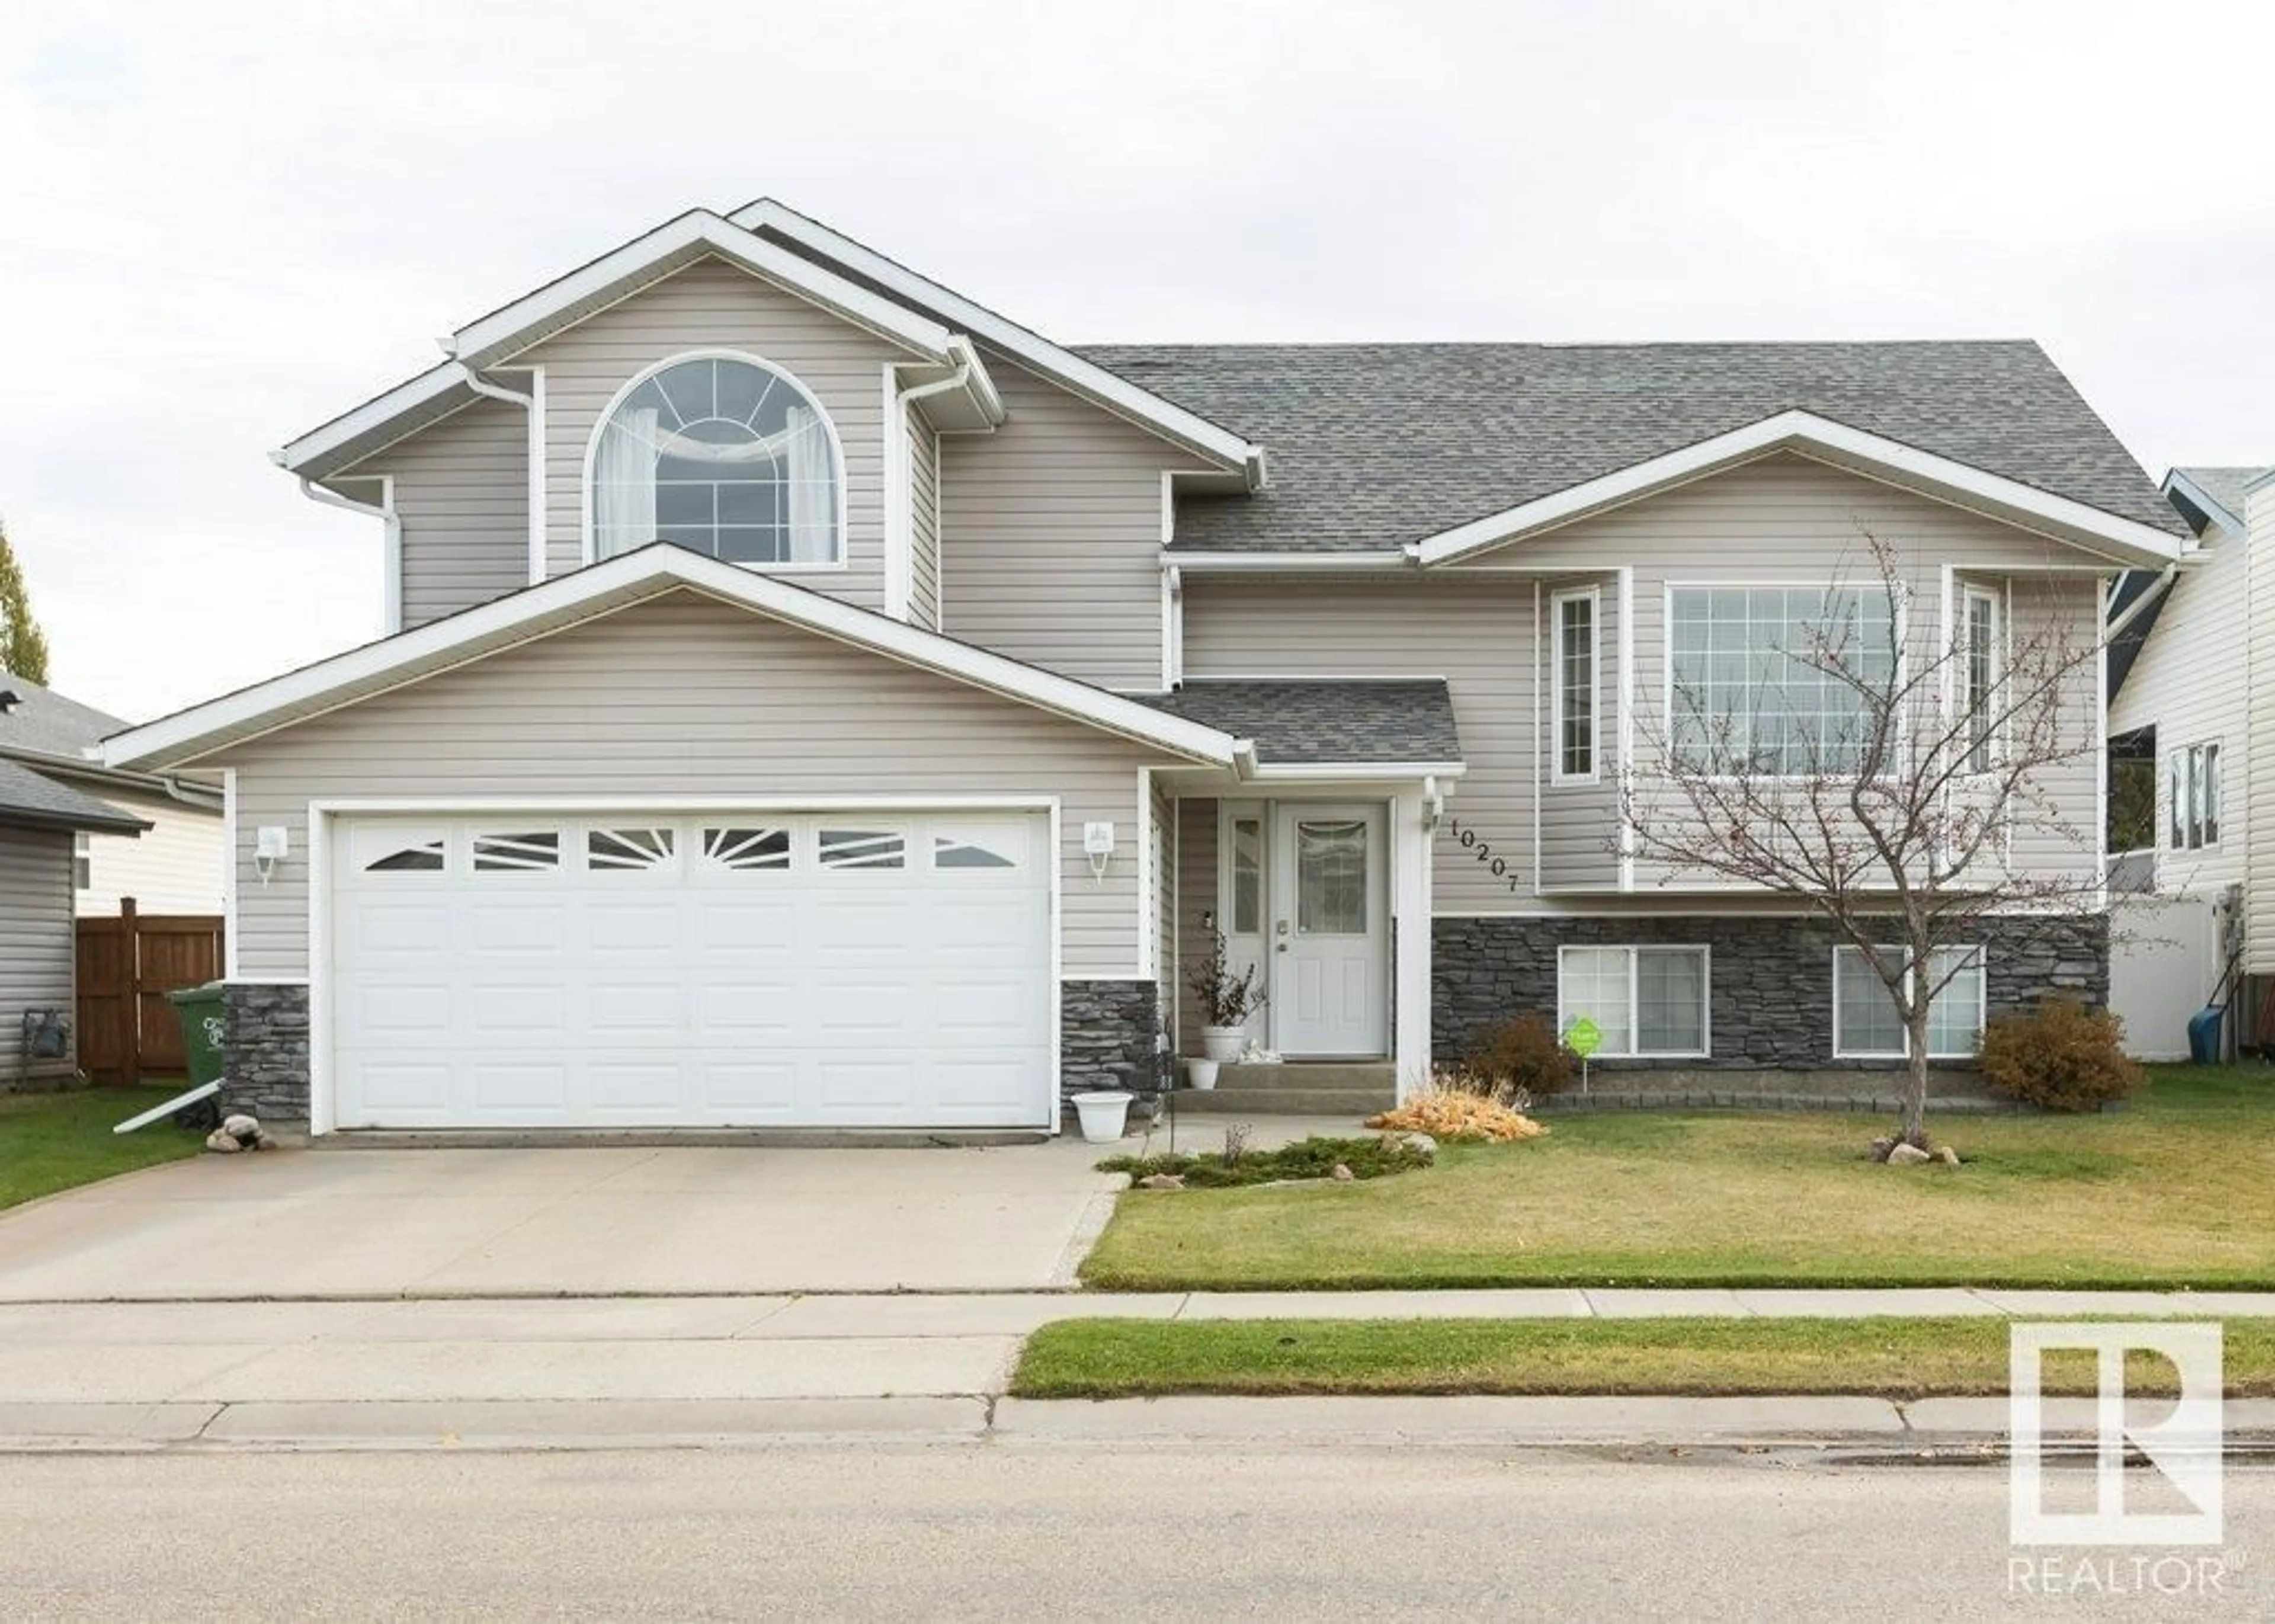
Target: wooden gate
126,967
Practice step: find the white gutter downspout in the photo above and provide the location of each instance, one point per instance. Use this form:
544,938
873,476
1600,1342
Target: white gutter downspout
533,404
899,571
2156,589
384,511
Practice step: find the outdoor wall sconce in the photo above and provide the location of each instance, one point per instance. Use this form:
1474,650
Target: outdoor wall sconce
1098,845
271,842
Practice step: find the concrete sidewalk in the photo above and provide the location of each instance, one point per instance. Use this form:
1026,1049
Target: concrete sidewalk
668,1369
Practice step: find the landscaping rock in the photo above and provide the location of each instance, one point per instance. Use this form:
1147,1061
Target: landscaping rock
1881,1147
1342,1174
1948,1157
221,1139
1162,1181
1425,1144
1908,1156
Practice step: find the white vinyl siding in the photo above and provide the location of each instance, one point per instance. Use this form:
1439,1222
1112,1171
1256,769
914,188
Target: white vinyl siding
1649,1002
177,866
684,697
38,946
924,526
2192,683
713,306
1866,1024
461,498
1051,536
1476,633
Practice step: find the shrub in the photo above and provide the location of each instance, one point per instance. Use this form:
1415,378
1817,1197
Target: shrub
1306,1158
2063,1056
1454,1114
1521,1055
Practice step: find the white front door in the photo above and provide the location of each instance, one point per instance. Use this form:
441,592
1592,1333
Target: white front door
1330,933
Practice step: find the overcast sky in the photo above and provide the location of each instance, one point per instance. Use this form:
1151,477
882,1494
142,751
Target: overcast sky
222,223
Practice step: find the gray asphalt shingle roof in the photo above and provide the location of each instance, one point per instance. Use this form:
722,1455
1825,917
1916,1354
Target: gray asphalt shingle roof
26,797
2225,485
1373,446
45,721
1327,721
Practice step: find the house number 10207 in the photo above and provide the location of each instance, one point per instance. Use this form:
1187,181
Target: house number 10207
1479,847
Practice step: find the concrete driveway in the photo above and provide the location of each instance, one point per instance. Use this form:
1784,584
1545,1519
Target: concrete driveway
568,1222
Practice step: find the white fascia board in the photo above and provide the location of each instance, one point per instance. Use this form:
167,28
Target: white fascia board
498,332
1367,772
616,583
2127,541
1281,563
375,414
1066,367
2211,507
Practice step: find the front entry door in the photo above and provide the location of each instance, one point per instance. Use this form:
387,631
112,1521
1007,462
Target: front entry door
1330,971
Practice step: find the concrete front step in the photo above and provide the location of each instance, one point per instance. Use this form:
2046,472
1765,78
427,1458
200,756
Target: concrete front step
1377,1075
1282,1101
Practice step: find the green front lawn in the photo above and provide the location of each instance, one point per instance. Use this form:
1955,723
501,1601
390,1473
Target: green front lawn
1886,1358
2177,1190
52,1142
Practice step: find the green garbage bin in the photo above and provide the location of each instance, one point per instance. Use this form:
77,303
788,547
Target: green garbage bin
204,1030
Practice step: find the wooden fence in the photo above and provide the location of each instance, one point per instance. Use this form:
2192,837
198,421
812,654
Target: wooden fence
126,967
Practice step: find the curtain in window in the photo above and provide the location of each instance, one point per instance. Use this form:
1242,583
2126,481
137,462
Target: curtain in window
811,475
623,483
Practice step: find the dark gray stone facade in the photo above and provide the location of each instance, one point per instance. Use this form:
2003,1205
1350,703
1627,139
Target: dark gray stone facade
1769,986
267,1050
1109,1036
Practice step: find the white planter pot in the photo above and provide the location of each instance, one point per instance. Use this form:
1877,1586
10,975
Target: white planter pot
1104,1114
1201,1072
1223,1044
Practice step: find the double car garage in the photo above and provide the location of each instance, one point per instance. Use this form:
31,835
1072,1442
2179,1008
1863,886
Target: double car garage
867,968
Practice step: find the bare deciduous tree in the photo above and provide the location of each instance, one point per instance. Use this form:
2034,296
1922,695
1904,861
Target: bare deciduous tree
1878,762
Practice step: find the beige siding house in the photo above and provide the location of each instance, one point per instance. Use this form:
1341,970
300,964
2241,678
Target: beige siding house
814,701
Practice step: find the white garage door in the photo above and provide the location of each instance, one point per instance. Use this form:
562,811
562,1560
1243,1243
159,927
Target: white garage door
840,970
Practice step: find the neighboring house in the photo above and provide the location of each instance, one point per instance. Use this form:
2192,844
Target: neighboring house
39,817
178,865
814,700
2184,711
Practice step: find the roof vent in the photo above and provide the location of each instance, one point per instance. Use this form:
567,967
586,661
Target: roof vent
9,700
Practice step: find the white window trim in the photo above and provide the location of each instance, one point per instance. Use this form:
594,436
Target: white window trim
1228,813
1705,955
1994,747
590,539
1556,602
1901,631
1981,1001
2184,774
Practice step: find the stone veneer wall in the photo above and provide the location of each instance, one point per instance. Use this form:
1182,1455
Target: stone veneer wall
1107,1035
1770,980
267,1050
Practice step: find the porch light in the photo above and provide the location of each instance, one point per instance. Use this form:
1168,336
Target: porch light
1098,845
270,845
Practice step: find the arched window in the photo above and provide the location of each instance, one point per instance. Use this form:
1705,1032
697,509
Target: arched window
719,455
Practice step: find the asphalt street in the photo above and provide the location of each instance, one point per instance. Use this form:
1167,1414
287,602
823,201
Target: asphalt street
1061,1532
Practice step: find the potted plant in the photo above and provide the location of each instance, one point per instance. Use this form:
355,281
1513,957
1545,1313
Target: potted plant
1227,1000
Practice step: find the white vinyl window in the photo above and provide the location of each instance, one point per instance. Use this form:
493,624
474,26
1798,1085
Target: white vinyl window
1647,1001
1247,876
1866,1024
1980,657
2194,796
721,454
1748,690
1574,679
